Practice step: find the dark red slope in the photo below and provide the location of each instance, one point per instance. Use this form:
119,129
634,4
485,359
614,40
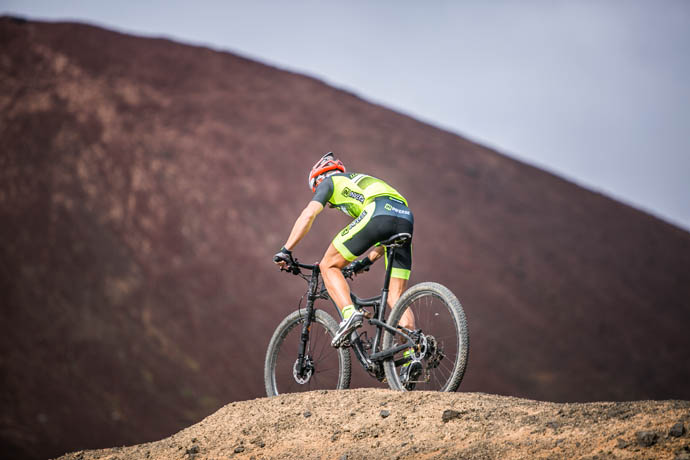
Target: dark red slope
145,185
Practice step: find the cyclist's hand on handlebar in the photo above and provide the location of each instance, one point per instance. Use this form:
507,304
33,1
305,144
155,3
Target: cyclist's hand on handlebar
284,259
359,266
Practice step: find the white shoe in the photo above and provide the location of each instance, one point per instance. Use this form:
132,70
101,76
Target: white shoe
347,326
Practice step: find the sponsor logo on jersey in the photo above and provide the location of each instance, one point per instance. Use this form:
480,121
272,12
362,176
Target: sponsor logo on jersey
353,223
390,208
354,195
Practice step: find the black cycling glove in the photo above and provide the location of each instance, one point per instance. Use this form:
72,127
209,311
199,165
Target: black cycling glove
285,255
360,265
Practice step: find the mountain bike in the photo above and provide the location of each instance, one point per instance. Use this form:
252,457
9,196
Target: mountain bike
300,356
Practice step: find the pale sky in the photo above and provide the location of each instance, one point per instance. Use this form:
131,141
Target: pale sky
597,92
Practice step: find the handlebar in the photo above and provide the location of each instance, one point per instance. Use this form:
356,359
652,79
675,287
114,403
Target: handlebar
295,269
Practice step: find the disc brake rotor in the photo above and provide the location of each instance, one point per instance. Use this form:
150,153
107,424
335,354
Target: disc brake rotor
308,371
420,350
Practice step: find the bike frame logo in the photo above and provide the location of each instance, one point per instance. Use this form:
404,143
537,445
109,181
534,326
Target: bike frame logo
353,223
354,195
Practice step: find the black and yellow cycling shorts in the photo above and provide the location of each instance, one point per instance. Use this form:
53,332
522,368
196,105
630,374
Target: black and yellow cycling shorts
381,218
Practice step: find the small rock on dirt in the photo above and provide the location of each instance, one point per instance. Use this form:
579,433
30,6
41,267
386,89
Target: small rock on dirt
683,454
450,414
646,438
239,449
553,425
307,414
677,430
623,444
385,413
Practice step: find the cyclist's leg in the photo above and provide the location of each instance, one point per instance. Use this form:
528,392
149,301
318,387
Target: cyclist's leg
347,245
397,287
333,278
402,266
331,264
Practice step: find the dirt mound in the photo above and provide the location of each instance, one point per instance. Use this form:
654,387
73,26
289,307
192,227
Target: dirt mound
376,423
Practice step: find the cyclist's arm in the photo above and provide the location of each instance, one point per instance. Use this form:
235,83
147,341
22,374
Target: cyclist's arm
303,224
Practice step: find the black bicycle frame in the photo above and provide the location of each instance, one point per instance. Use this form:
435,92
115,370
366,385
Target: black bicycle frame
369,361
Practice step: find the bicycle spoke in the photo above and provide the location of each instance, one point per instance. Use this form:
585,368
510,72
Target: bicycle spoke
321,371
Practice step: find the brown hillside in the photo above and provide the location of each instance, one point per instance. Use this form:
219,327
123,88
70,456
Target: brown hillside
145,185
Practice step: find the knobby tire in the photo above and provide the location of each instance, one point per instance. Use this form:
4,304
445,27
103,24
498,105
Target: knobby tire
323,328
421,297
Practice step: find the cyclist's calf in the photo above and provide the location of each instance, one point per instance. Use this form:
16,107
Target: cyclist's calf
333,278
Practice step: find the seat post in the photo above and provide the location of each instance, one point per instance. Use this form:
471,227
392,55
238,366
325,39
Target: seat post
390,254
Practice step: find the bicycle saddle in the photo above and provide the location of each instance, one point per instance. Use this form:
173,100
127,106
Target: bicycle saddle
397,240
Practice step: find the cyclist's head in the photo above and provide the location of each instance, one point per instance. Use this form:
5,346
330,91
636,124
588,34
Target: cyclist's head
323,168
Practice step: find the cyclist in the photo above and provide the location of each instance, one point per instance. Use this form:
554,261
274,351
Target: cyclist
379,212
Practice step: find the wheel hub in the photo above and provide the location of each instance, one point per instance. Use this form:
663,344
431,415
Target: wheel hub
306,374
435,354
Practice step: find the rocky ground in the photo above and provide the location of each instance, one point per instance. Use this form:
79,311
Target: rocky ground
376,423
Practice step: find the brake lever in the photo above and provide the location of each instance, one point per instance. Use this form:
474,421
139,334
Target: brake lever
294,269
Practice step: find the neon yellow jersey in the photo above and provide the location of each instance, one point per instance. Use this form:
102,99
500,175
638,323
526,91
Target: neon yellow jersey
351,192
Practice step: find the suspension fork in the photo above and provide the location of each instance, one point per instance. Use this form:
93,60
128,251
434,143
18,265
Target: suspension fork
311,316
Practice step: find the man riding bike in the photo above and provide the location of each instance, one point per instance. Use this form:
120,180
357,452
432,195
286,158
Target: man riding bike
379,212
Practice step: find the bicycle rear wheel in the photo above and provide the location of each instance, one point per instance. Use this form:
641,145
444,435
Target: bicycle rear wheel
445,348
330,367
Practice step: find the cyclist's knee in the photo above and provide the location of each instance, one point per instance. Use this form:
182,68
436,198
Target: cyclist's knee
325,265
331,263
332,259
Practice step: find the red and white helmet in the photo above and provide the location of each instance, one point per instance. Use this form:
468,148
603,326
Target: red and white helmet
326,163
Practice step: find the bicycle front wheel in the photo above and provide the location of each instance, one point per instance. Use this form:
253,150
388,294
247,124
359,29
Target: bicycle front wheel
328,368
441,357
